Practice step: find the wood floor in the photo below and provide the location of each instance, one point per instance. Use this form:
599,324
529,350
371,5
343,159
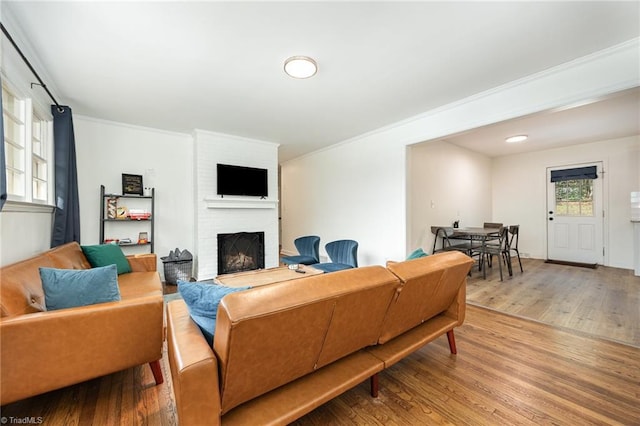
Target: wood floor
509,370
603,301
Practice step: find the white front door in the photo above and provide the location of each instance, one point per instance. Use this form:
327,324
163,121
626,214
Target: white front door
575,217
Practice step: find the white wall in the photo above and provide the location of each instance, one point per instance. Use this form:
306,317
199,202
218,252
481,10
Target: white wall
213,214
169,163
356,189
448,183
519,193
24,234
347,192
106,149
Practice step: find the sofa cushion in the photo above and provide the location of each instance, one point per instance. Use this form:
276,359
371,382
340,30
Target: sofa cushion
317,320
67,256
202,300
67,288
107,254
437,279
139,284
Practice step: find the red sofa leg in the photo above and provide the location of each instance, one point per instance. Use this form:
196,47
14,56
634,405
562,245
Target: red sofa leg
452,342
374,385
157,371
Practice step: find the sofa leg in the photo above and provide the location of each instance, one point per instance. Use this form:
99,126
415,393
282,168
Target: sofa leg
452,342
374,385
157,371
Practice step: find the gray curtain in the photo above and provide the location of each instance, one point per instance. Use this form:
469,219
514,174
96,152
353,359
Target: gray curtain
3,169
66,222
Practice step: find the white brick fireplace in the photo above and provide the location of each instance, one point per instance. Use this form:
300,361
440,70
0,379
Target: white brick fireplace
216,215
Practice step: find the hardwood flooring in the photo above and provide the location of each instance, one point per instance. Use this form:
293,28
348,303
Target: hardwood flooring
603,301
509,370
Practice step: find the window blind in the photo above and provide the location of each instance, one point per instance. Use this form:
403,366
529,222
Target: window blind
590,172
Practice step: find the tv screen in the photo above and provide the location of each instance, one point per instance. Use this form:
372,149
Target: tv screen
239,180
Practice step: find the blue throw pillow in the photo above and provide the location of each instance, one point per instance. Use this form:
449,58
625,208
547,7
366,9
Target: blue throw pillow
416,254
203,300
67,288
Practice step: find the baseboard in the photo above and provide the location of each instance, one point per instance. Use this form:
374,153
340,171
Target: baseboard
578,264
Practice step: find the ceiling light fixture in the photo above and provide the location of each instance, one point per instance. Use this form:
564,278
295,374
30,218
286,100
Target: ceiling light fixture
516,139
300,67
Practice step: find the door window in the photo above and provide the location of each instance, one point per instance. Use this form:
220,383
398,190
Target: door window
574,197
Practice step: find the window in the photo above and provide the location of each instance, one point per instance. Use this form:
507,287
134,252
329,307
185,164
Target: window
28,141
574,197
13,114
39,138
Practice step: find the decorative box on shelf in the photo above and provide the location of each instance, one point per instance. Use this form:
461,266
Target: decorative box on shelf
138,214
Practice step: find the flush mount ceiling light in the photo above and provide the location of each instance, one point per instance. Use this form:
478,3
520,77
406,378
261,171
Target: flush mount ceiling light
300,67
516,139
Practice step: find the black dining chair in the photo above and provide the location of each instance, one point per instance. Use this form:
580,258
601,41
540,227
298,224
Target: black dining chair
493,225
444,233
500,249
514,230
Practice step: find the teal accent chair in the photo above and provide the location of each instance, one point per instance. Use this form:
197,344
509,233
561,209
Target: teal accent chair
343,255
309,251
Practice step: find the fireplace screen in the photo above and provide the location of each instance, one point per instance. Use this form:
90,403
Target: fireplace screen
242,251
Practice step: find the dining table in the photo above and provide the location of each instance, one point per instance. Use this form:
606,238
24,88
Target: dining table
474,236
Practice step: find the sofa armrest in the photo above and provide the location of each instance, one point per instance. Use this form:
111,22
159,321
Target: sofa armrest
146,262
49,350
194,369
458,308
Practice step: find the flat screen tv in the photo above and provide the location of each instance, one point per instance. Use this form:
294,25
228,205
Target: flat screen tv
240,180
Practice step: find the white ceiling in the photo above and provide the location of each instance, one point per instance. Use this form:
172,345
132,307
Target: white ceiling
219,65
615,116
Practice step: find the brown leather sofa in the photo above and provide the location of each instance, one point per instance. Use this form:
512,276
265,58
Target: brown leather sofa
283,349
41,351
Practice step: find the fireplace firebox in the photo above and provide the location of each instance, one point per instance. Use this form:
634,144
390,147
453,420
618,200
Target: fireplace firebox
240,251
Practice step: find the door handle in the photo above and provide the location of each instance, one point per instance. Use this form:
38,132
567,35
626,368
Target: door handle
550,218
550,212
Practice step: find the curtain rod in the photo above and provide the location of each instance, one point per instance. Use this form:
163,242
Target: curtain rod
26,61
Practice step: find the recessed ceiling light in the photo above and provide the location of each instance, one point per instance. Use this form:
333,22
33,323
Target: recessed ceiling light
515,139
300,67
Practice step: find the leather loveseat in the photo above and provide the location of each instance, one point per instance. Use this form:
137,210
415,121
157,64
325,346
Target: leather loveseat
44,350
281,350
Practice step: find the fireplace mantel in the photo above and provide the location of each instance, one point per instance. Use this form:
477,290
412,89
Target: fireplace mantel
239,203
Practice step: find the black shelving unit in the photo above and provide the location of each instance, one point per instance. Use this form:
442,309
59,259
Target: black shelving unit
104,220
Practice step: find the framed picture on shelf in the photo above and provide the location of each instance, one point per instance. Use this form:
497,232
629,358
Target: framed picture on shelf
143,238
132,184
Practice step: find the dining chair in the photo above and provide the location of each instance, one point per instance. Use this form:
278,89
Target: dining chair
308,251
492,225
444,233
343,255
514,230
488,250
